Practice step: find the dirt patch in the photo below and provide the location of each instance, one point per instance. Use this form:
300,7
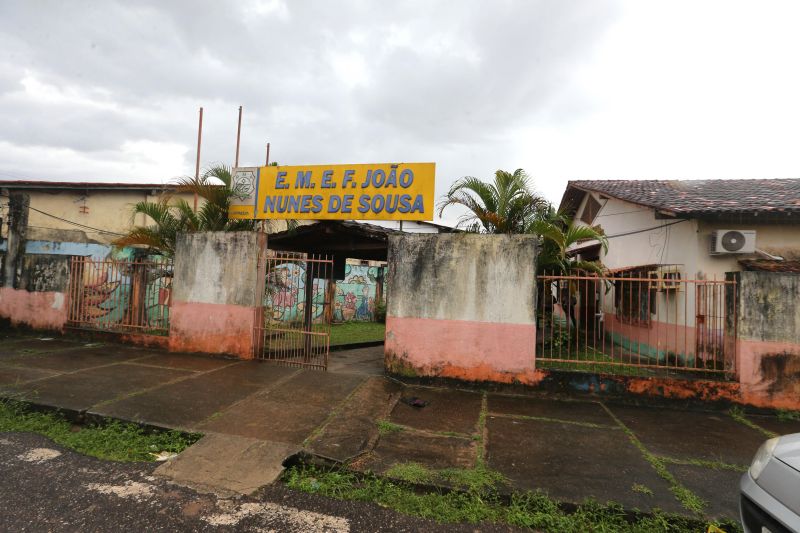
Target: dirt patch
39,455
129,490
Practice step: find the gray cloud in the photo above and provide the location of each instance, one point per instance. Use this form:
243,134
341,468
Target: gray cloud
323,81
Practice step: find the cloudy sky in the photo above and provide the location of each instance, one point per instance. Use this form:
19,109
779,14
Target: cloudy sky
109,91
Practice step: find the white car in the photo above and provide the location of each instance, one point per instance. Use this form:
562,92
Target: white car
769,499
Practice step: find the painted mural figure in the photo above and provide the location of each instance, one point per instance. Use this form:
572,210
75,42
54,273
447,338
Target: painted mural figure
363,311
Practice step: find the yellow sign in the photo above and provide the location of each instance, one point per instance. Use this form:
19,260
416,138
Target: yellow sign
384,191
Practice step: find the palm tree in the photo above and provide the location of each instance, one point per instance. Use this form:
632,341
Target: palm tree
507,205
558,234
215,187
168,220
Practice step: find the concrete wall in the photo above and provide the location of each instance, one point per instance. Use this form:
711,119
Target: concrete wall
108,210
462,306
38,298
216,292
768,351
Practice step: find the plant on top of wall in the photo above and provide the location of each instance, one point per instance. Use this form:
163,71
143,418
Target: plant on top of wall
170,216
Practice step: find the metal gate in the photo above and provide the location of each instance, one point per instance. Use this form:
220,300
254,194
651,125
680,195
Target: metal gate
295,326
120,296
646,322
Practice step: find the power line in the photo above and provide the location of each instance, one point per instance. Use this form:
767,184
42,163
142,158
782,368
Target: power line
78,224
646,229
622,213
84,226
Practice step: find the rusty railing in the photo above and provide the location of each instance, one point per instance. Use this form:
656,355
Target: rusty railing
637,323
296,323
120,296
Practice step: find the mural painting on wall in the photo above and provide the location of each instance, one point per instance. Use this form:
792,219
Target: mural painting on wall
117,293
355,295
285,297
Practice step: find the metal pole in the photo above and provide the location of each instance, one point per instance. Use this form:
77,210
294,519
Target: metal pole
238,137
267,161
197,163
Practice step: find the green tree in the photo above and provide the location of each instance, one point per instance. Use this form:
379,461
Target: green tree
169,215
506,205
558,234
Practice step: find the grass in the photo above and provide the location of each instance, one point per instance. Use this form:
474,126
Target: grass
385,427
737,413
641,489
470,479
587,359
353,332
481,503
480,433
115,441
688,499
785,415
714,465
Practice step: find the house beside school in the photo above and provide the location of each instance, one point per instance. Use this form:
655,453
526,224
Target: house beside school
700,277
689,229
79,218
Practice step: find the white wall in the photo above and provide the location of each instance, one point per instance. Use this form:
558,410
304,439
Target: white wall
685,244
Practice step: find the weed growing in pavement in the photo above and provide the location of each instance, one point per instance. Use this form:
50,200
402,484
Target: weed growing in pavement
532,510
114,440
785,415
480,431
737,413
385,427
688,499
641,489
714,465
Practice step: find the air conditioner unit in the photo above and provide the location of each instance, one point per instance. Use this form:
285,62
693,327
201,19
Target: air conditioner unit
733,241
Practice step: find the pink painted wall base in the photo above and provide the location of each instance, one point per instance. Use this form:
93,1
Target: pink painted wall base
38,310
211,328
463,349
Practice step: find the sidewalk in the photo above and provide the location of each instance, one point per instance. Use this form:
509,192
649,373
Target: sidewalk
255,414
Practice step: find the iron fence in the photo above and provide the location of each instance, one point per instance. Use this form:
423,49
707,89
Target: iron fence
120,295
640,323
295,325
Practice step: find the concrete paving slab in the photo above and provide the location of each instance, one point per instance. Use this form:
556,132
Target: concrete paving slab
251,374
367,361
187,403
431,451
719,488
198,363
573,463
713,436
11,375
350,432
288,413
262,417
75,359
317,388
447,410
227,463
576,411
31,345
776,425
81,390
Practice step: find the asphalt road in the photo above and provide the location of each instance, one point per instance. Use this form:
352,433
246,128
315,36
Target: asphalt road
44,487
